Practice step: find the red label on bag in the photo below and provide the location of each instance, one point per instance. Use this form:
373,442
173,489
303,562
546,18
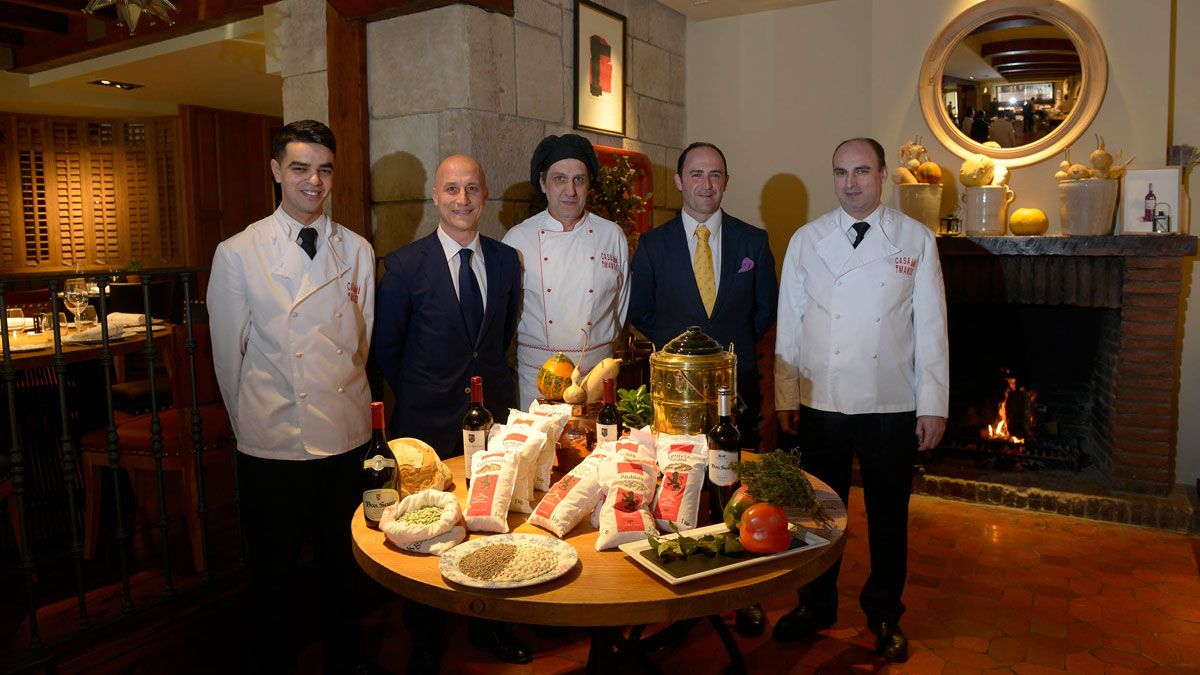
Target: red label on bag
626,511
520,438
671,498
685,448
556,495
483,492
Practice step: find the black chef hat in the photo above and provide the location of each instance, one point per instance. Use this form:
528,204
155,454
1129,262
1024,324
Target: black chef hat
553,148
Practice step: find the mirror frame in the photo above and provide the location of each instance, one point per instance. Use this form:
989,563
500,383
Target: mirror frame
1093,59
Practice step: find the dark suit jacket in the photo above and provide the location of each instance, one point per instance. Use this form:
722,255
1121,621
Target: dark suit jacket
664,300
421,345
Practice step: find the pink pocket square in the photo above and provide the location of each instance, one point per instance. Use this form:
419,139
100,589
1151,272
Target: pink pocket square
747,265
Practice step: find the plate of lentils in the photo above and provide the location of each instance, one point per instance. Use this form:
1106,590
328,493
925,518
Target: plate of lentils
508,561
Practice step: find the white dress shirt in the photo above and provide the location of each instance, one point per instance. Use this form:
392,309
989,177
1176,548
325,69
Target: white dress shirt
452,248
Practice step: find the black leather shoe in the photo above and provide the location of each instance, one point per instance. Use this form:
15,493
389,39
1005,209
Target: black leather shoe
424,661
890,642
802,622
751,621
502,644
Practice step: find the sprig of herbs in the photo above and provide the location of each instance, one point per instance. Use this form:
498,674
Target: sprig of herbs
777,478
637,409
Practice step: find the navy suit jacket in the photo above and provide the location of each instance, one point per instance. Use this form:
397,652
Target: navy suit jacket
664,299
421,345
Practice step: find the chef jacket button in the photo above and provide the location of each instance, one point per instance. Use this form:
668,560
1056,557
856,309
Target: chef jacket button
338,315
295,314
837,351
466,390
589,230
341,390
550,321
302,395
876,319
589,290
475,354
542,232
881,284
299,354
546,259
547,290
874,356
339,352
839,283
592,258
589,323
837,316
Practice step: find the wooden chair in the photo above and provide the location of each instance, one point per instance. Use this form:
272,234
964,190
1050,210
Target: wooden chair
178,451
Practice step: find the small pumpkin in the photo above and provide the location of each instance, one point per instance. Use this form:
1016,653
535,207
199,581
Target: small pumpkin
1028,222
555,376
929,173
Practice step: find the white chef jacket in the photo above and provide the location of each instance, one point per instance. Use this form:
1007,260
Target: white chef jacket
862,330
291,336
575,282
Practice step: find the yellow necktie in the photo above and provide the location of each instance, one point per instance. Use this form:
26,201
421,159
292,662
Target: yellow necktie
702,265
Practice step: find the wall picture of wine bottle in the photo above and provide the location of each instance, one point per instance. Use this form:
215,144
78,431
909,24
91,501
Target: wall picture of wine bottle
1150,201
600,48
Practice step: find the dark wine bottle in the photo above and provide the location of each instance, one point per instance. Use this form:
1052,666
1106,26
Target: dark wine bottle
608,422
380,477
475,425
1150,203
724,448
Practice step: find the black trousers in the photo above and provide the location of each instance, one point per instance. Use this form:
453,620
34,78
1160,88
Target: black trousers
886,446
281,502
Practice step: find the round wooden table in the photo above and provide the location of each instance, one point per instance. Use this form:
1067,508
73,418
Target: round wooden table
606,588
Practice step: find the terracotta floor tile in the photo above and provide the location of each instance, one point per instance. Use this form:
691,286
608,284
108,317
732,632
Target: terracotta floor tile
1007,650
956,669
1035,669
1122,658
1155,621
1047,650
1040,626
1085,609
963,657
1084,636
1085,585
1012,623
1083,663
1160,650
971,644
1182,609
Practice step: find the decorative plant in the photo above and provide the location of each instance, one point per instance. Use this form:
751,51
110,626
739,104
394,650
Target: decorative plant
1186,156
637,409
612,197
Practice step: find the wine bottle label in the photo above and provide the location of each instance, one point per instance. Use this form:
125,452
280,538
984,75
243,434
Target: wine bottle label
379,463
719,470
473,442
375,501
606,432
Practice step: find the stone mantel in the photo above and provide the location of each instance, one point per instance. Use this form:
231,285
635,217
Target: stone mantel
1129,245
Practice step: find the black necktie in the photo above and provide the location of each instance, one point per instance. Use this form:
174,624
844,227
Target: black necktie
861,228
308,240
469,296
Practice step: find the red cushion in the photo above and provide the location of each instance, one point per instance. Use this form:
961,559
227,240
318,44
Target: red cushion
135,437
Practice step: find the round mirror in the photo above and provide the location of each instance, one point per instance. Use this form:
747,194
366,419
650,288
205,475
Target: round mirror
1027,74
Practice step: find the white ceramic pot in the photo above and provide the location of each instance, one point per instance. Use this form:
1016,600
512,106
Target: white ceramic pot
921,202
1086,207
986,210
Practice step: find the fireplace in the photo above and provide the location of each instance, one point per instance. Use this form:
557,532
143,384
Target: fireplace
1081,334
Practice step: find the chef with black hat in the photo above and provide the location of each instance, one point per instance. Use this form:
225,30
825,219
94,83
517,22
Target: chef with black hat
576,266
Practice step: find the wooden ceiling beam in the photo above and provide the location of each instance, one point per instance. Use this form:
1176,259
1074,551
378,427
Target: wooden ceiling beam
34,20
11,38
1022,59
1027,46
375,10
69,7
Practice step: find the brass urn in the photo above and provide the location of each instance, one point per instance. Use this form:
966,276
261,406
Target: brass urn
684,376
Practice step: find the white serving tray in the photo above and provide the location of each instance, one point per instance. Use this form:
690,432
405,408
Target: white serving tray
634,551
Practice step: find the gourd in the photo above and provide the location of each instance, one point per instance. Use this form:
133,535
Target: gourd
575,394
977,170
902,176
929,172
1026,221
555,376
1100,158
593,384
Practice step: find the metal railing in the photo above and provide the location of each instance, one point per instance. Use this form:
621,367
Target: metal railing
44,475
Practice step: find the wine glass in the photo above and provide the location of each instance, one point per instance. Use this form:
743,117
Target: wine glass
16,321
75,295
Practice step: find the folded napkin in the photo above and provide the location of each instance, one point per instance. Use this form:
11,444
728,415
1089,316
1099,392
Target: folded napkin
20,324
126,319
115,330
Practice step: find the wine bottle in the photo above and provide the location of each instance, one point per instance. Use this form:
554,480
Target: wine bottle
724,447
1151,201
608,422
475,425
380,476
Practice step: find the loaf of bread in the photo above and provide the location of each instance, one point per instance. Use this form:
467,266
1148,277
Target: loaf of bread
420,467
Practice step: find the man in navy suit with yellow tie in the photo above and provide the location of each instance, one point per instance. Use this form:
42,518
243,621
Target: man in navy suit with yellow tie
728,290
447,309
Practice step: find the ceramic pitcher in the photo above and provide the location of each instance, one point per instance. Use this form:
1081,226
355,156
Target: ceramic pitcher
921,202
986,210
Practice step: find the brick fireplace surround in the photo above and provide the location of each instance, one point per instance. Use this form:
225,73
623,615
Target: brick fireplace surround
1134,407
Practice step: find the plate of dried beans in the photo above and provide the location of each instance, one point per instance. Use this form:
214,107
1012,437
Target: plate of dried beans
507,561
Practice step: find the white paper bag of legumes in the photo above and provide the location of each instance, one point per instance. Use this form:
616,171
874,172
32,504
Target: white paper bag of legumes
683,462
429,521
549,423
572,498
628,449
625,514
524,443
491,490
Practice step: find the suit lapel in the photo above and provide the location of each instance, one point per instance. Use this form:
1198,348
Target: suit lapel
491,264
731,257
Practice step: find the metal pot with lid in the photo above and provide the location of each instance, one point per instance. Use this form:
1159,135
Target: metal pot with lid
684,376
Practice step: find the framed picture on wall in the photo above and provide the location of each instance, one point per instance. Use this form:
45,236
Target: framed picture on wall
599,69
1150,200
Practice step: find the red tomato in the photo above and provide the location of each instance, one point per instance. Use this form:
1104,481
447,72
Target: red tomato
764,529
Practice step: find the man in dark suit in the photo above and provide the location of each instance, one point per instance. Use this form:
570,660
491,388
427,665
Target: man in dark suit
728,290
447,309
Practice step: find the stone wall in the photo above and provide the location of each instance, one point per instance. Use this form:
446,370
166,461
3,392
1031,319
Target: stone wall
302,59
462,80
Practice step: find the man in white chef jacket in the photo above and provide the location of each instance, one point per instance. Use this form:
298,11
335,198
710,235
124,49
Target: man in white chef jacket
291,304
861,369
576,267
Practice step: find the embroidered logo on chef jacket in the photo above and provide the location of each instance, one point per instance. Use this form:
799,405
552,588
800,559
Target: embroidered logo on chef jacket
608,261
905,265
352,291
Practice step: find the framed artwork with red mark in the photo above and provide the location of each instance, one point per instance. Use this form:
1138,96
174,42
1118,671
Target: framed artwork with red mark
600,36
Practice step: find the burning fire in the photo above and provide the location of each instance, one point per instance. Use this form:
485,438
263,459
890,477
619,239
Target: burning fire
999,430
